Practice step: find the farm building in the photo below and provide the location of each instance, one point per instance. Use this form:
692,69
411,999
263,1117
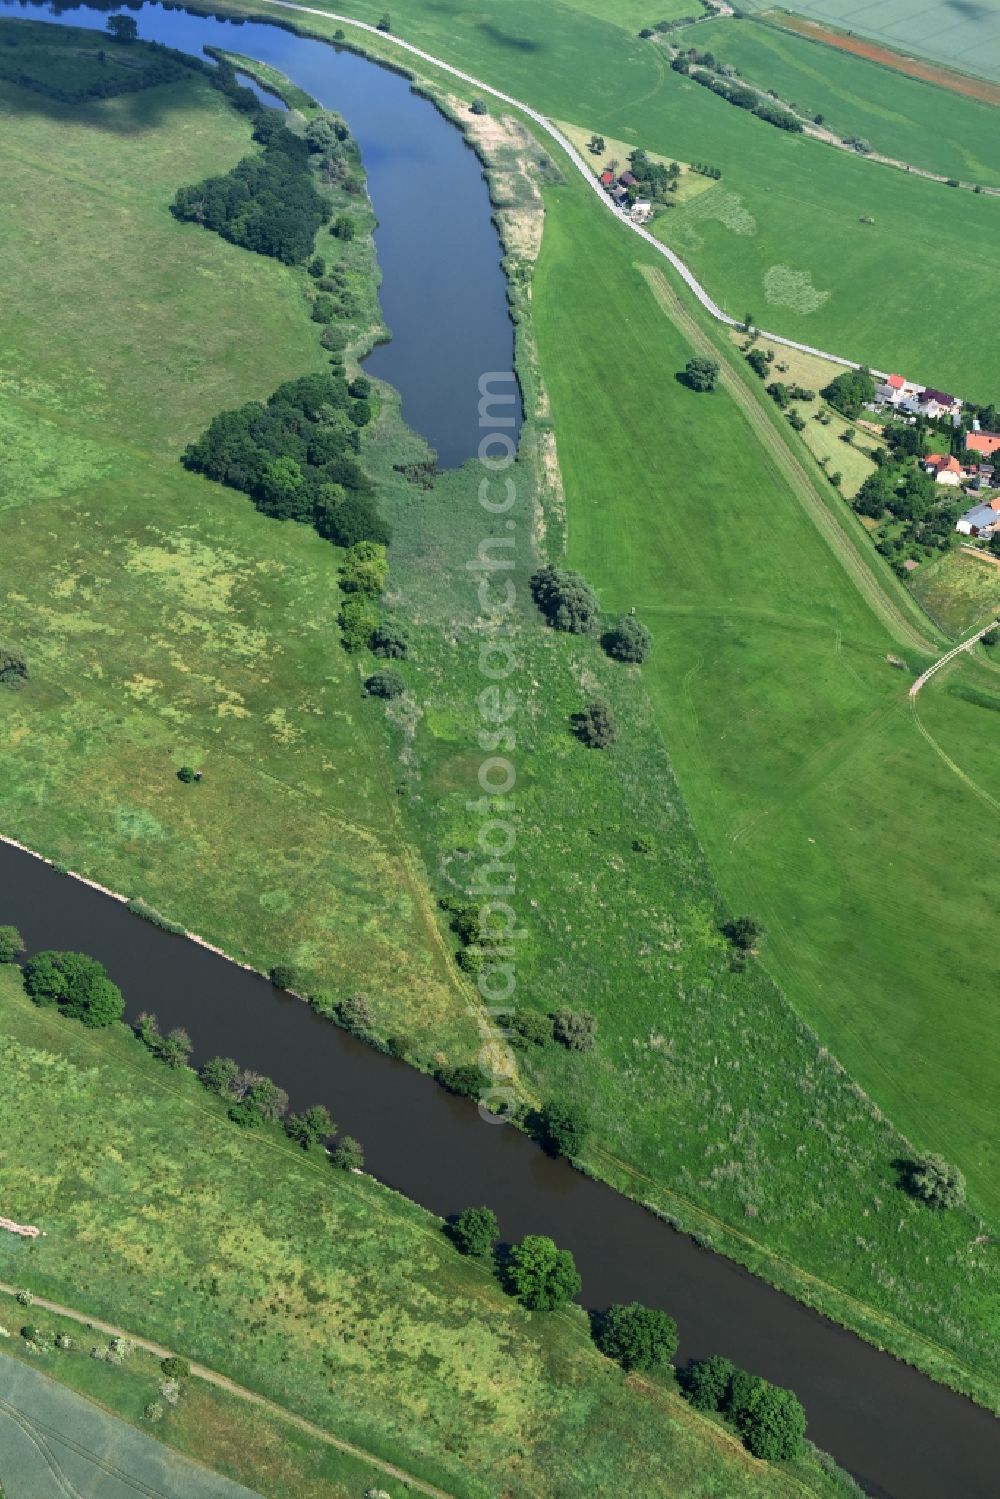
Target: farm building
982,520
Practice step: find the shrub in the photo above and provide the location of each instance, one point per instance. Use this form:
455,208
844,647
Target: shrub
627,640
529,1028
364,569
758,361
561,1128
13,668
24,1297
153,1411
11,943
574,1029
565,598
937,1183
187,774
355,1014
541,1276
595,726
989,639
310,1128
218,1074
358,619
176,1368
701,374
389,642
707,1382
636,1336
643,844
478,107
174,1048
171,1391
465,1081
77,983
30,1333
285,976
475,1232
387,684
343,227
348,1154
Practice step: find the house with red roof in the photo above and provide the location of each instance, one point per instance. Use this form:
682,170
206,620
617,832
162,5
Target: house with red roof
607,177
985,443
945,469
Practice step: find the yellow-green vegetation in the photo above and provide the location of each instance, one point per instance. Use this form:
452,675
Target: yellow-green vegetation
320,1289
166,622
960,590
689,184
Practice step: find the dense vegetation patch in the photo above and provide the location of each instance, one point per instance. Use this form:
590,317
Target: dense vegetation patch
268,203
296,457
75,73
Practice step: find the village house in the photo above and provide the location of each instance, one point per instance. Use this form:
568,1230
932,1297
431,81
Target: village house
982,520
895,389
945,469
642,210
985,443
935,403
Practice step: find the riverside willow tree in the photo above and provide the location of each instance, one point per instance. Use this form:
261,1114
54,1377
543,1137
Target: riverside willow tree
636,1336
541,1276
78,984
296,457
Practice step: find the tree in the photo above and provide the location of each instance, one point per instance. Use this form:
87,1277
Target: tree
358,620
770,1420
701,374
529,1028
743,932
343,227
758,361
479,107
475,1232
385,24
627,640
636,1336
389,642
11,943
936,1182
267,1098
175,1368
596,145
991,638
465,1081
595,725
387,684
310,1128
175,1047
348,1154
849,391
77,983
122,28
707,1382
13,668
565,598
562,1128
218,1074
540,1275
355,1015
574,1029
285,976
187,774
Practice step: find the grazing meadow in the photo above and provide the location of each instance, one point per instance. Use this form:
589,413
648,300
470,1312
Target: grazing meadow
319,1289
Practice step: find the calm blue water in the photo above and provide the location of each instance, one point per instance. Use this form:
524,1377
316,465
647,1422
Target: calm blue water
443,291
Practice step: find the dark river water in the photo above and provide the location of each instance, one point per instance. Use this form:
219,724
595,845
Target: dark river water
443,294
899,1434
443,291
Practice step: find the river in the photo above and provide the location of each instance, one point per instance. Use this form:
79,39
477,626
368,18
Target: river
901,1435
443,294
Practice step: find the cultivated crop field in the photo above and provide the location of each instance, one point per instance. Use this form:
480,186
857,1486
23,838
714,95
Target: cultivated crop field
963,36
901,117
322,1290
165,621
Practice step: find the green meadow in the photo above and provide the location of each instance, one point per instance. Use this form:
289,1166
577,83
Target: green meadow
166,621
901,117
781,233
319,1289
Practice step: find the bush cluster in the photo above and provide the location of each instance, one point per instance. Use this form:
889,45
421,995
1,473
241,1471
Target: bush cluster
79,985
770,1419
565,598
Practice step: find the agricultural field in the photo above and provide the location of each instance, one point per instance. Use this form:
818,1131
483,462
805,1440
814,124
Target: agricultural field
167,622
358,1314
53,1443
781,234
961,36
901,117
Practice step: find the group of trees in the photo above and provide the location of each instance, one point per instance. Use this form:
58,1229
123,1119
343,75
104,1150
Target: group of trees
267,203
915,515
701,374
295,456
655,179
849,392
721,81
769,1419
362,579
86,73
78,984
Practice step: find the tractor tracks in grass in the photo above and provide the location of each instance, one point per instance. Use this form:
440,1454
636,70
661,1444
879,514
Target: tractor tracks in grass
790,469
220,1381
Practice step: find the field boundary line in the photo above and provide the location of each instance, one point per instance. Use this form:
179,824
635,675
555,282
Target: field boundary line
221,1381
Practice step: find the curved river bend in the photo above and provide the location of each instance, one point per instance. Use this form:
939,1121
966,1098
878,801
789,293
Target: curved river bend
901,1435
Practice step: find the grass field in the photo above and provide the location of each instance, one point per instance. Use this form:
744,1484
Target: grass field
165,620
960,591
962,36
901,117
320,1289
53,1443
781,233
689,184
